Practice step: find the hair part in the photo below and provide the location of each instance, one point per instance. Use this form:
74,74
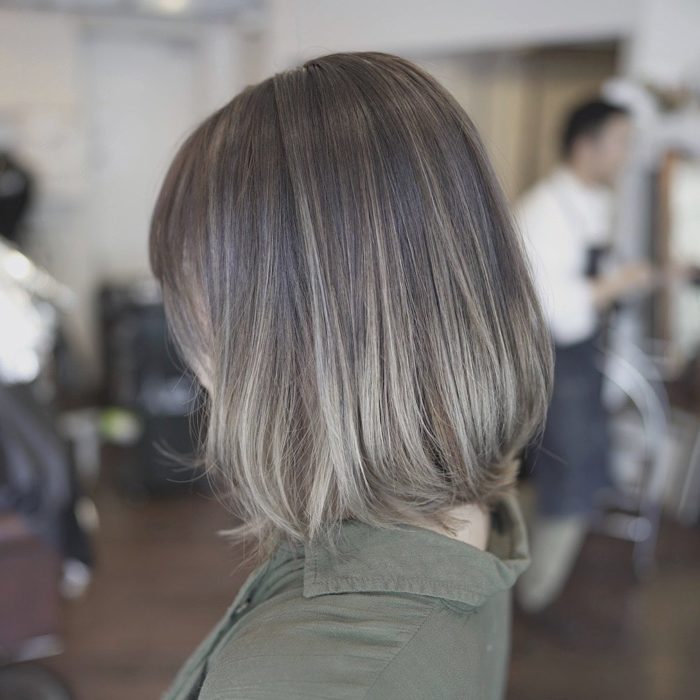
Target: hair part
338,260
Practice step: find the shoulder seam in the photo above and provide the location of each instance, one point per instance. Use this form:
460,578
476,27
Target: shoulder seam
430,613
459,608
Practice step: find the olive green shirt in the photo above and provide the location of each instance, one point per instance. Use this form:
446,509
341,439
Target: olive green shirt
397,614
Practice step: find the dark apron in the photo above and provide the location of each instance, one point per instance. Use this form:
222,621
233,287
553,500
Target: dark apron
571,464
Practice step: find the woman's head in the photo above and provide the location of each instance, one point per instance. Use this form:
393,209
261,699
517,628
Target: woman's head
340,269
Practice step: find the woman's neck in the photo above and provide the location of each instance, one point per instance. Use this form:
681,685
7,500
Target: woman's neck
475,527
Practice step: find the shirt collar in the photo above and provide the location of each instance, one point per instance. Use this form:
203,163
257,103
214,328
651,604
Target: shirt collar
412,559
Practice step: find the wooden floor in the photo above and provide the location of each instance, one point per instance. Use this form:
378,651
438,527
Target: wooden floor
610,636
164,577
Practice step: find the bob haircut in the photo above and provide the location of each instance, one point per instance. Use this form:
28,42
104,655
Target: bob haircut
340,269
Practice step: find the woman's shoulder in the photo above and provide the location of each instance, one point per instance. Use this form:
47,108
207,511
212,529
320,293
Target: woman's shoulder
329,646
391,613
355,645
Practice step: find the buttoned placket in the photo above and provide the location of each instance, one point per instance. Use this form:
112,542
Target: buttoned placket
187,684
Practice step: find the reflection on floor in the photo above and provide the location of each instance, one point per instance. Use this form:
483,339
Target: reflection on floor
164,577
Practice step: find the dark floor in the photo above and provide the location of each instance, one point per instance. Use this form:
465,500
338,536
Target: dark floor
610,636
164,577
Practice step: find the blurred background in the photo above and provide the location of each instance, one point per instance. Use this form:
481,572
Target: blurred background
111,570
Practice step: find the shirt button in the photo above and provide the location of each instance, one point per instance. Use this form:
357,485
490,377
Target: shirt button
242,606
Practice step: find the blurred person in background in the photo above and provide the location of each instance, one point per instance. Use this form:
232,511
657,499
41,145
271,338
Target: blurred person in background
567,222
341,271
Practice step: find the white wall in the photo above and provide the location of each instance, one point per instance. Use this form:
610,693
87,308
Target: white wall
95,188
300,29
665,46
662,34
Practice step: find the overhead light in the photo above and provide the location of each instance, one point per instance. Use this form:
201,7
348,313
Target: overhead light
171,7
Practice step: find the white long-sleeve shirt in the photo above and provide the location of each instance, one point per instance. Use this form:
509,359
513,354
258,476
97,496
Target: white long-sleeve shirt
561,219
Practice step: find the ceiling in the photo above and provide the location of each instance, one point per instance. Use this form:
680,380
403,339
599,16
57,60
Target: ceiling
174,9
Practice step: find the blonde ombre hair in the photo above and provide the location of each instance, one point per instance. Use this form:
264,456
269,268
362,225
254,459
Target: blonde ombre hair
341,270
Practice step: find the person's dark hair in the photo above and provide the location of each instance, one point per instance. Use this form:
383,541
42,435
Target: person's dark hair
587,120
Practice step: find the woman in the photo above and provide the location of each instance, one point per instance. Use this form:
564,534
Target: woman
341,272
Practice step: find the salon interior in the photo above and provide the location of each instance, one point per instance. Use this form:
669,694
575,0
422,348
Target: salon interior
112,565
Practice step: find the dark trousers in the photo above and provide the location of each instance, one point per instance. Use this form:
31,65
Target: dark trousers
571,464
